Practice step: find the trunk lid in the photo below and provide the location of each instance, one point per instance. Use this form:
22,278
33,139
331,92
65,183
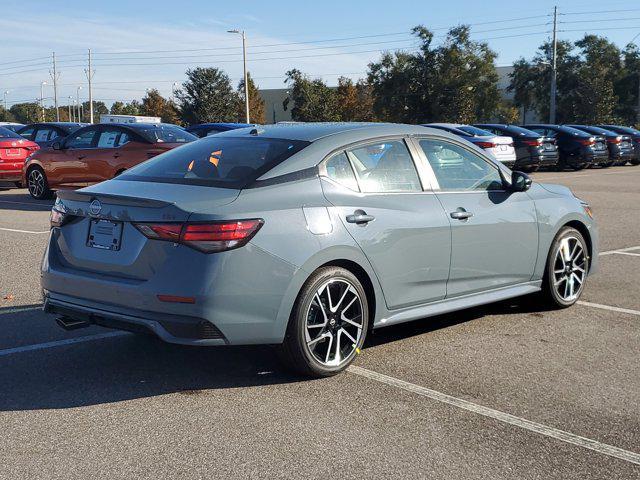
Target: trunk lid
99,237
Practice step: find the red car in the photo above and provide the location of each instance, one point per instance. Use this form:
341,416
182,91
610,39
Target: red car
97,153
14,150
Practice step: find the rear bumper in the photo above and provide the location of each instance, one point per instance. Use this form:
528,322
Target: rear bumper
170,328
11,175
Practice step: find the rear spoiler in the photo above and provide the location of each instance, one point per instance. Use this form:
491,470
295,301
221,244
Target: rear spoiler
111,199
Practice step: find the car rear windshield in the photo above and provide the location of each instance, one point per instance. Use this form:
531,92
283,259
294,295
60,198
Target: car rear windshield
574,131
523,132
6,133
476,132
228,162
166,134
627,130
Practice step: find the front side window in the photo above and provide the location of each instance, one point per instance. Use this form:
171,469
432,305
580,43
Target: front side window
339,170
385,167
458,169
81,139
167,134
231,162
44,135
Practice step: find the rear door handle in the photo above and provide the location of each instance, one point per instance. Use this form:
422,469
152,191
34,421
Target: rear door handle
80,157
360,217
461,214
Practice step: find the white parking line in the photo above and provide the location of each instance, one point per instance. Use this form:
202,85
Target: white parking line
561,435
23,231
608,307
620,250
60,343
19,308
628,253
31,204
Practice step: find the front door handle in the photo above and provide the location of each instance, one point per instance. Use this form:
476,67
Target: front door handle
461,214
360,217
116,155
80,157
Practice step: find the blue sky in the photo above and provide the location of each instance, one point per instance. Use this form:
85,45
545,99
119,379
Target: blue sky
315,37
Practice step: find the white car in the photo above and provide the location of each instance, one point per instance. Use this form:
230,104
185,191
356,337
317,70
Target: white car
500,147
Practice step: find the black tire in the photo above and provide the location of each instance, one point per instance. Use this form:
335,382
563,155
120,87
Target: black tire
635,161
294,351
37,184
550,293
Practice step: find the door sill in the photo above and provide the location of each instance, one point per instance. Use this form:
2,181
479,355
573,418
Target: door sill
458,303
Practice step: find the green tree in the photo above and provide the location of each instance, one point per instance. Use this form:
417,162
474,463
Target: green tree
627,87
256,103
26,112
456,81
207,96
311,99
155,105
6,115
121,108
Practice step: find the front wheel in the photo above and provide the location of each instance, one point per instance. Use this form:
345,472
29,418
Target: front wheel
37,184
567,267
328,323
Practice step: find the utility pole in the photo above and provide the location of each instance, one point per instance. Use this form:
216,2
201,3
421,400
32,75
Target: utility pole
5,99
638,112
244,63
552,100
42,84
69,107
55,75
89,74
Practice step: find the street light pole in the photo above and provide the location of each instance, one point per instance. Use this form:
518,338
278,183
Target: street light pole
552,100
69,107
244,63
42,84
5,99
78,101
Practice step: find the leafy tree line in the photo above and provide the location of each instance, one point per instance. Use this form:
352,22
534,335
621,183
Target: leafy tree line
452,80
597,82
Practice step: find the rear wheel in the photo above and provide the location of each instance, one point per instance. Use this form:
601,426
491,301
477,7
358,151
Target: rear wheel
567,267
635,161
37,184
328,324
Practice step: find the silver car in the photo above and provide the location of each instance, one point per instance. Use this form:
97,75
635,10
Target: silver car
308,236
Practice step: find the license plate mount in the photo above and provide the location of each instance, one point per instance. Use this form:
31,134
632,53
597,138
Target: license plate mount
104,234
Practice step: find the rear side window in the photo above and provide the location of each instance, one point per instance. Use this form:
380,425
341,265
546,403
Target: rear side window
339,169
81,139
28,133
112,139
231,162
385,167
167,134
476,132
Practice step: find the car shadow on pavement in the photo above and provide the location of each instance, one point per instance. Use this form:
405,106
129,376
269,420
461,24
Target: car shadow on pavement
23,202
129,366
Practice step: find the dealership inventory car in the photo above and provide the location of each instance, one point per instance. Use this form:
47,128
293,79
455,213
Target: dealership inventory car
532,149
204,129
633,133
98,152
577,149
14,127
13,151
620,146
499,146
45,134
308,236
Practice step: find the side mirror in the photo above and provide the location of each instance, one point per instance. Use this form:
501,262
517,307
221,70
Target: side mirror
56,146
520,182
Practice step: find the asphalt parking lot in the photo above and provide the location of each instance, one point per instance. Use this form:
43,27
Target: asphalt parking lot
504,391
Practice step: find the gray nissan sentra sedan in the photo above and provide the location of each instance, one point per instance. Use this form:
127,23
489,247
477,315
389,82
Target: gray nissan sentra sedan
309,235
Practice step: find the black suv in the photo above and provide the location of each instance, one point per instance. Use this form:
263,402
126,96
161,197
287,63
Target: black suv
620,146
532,149
633,134
577,149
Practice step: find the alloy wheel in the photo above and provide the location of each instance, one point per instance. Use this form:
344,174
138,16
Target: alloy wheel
334,323
569,268
36,183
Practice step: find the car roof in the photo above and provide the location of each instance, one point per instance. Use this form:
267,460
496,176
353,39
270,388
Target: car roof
313,131
221,124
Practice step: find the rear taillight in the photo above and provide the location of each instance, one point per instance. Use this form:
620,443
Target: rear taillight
59,215
615,140
486,144
587,141
636,139
206,237
532,143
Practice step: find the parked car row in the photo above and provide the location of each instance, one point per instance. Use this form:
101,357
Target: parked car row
72,155
530,147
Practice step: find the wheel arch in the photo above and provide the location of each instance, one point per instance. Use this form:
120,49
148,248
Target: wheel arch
584,231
